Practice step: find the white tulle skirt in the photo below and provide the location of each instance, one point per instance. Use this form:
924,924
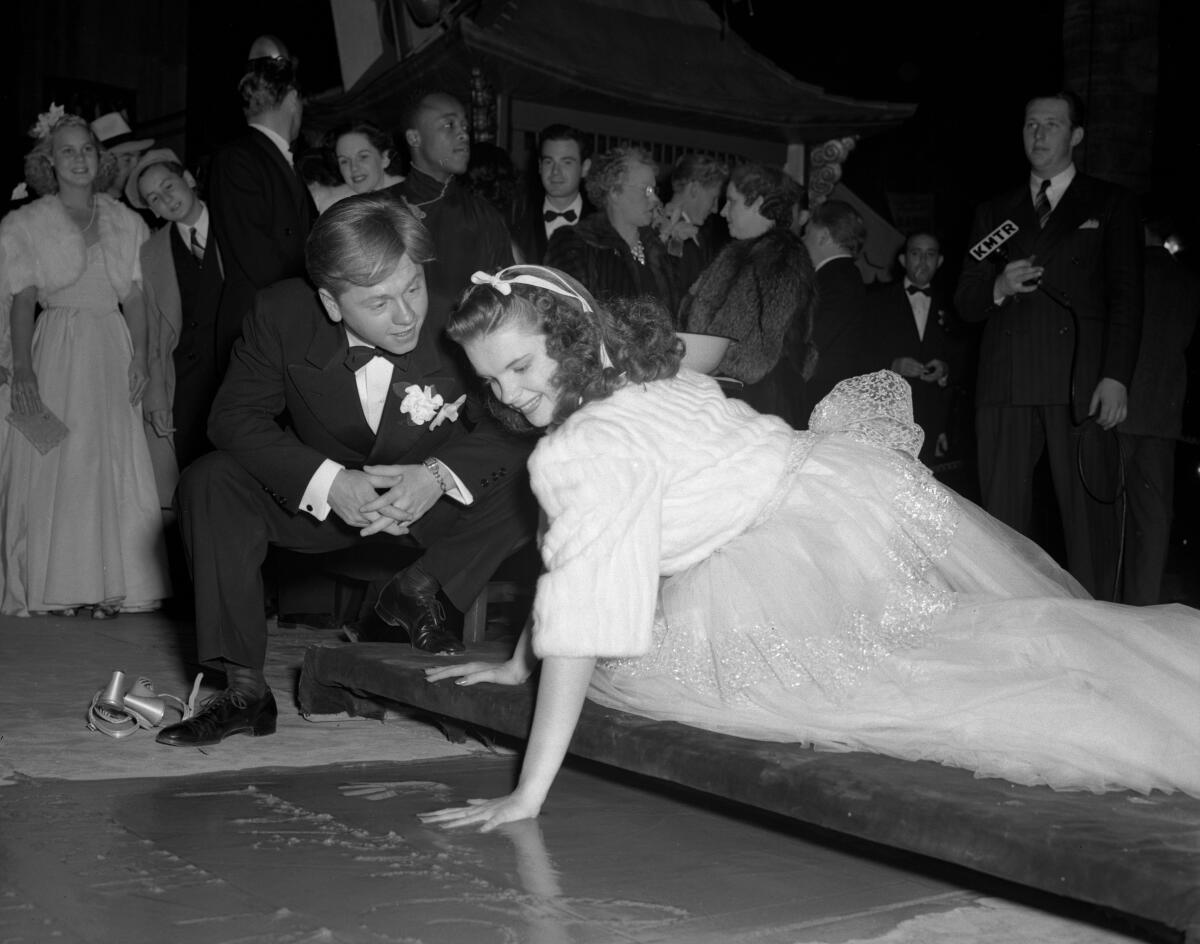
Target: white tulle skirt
872,609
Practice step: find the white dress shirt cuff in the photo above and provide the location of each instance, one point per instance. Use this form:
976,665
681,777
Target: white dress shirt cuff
315,499
460,492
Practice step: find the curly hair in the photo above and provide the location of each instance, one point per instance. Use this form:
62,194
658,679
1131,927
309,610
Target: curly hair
610,170
636,332
784,200
39,162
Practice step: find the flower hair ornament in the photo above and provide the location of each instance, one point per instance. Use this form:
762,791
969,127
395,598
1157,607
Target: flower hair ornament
505,279
47,120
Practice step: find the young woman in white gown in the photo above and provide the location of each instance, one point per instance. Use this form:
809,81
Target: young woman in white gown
80,526
707,564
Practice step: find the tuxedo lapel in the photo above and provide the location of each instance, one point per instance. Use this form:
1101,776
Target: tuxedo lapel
329,390
398,434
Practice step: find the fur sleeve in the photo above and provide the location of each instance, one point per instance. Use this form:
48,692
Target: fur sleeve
42,247
122,233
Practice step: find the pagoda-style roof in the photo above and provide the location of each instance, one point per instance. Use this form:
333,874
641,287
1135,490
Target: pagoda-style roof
671,62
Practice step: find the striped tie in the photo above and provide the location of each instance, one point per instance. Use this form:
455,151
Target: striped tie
197,249
1041,206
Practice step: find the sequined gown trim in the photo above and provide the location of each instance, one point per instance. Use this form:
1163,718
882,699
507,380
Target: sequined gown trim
727,660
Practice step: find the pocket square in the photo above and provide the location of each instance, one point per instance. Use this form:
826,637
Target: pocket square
1090,224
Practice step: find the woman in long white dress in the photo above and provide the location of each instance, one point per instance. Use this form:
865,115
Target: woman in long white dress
80,525
708,564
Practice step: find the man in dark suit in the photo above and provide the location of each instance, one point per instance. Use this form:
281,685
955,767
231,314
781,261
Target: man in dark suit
1063,313
1155,420
834,236
564,158
913,334
261,209
378,435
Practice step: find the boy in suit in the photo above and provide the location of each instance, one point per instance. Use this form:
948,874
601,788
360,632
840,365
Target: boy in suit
183,280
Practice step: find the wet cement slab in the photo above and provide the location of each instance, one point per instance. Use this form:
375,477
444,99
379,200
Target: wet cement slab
336,854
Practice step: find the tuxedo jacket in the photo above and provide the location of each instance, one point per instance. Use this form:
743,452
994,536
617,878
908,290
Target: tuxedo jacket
530,234
290,361
1052,346
261,212
894,334
840,330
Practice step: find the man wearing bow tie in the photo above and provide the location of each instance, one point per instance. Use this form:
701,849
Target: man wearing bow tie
1062,307
563,162
913,334
382,443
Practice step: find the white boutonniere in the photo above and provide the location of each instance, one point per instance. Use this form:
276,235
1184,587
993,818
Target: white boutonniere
20,192
421,403
448,413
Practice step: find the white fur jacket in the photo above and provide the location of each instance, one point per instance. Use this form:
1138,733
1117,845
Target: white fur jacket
40,246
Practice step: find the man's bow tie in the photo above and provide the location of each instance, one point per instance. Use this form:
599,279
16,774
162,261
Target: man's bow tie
551,215
359,356
917,289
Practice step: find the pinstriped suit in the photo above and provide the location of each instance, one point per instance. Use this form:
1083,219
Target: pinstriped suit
1043,353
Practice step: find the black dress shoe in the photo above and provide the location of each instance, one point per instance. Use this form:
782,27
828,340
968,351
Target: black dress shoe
225,713
409,601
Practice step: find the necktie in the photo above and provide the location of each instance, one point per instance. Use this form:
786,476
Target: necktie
359,356
917,289
551,215
1041,206
197,249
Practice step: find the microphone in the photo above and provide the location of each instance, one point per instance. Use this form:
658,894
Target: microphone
991,243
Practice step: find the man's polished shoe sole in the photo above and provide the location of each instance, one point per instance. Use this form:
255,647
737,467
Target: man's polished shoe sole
212,724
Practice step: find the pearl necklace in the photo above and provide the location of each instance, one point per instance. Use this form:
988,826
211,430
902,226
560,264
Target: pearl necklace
639,252
73,211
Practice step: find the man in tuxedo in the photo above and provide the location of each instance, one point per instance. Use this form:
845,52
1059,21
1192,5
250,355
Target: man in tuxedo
1062,305
914,338
834,236
261,209
382,444
468,232
1155,419
564,158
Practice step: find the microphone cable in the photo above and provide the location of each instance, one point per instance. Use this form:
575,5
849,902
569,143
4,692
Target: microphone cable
1082,426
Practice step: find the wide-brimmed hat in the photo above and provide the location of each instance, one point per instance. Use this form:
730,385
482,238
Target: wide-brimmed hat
115,135
149,159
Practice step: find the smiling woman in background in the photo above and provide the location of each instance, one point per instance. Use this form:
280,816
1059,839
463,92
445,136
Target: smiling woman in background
365,154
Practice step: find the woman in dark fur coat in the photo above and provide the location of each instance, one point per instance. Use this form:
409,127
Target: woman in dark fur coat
759,290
